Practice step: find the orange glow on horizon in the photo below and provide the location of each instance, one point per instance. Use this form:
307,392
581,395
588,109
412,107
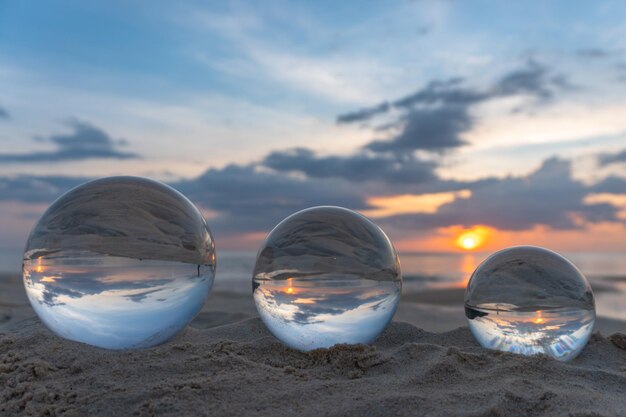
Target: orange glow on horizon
290,290
411,203
600,237
39,268
473,238
539,319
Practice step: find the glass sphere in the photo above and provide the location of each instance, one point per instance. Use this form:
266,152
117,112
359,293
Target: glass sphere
530,300
119,263
326,275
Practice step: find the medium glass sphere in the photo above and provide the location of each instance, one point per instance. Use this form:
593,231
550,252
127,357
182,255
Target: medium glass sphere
119,263
530,300
326,275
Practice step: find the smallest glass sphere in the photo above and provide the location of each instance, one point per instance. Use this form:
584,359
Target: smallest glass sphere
530,300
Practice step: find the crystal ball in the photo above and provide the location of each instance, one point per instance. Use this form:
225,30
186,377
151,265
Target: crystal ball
326,275
119,263
530,300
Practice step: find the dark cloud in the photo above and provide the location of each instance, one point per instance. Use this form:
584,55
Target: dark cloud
612,158
85,142
593,53
534,79
248,199
447,92
548,196
428,129
4,114
611,185
36,189
138,298
356,168
435,117
363,114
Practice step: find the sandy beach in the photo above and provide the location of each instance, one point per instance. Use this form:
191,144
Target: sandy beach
226,363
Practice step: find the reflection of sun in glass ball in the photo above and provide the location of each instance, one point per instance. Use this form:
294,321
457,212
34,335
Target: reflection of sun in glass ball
120,262
326,275
530,300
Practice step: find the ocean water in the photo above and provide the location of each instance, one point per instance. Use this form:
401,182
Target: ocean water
606,273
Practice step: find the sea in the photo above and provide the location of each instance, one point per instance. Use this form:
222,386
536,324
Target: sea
606,273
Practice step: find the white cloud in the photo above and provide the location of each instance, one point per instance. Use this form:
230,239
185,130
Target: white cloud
187,134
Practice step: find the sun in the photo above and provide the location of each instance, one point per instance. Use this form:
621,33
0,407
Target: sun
472,238
469,242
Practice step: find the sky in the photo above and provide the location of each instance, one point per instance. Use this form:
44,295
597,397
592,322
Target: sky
453,125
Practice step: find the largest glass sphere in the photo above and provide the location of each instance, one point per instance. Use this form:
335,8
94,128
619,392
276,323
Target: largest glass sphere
530,300
326,275
120,262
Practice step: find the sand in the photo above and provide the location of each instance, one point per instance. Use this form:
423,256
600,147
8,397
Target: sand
226,363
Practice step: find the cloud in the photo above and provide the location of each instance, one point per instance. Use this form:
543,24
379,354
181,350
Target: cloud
435,117
249,200
447,92
357,168
610,185
364,114
548,196
246,199
4,114
534,79
36,189
254,198
437,92
432,119
428,129
85,142
612,158
593,53
252,35
327,303
81,284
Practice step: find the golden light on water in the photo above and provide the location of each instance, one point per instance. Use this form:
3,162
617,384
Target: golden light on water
39,268
290,290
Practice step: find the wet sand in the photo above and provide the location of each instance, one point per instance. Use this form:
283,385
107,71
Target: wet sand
226,363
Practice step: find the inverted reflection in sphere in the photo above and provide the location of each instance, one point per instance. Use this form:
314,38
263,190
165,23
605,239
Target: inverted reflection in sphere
119,262
530,300
326,275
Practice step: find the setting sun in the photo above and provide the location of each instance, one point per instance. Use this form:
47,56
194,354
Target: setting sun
290,290
473,238
469,243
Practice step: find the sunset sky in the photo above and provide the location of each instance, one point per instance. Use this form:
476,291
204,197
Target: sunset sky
453,125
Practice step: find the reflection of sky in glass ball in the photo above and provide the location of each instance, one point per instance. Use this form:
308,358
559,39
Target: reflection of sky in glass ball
530,300
120,262
324,276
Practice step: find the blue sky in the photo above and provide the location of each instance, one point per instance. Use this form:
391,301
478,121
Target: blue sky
504,101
